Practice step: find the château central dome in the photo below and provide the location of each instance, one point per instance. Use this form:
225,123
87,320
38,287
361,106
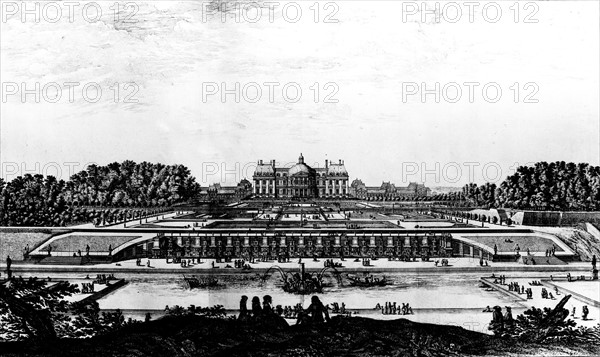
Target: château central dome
299,168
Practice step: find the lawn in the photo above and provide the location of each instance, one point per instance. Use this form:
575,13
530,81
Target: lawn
13,243
97,243
534,243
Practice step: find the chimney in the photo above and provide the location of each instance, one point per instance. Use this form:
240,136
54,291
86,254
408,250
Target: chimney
273,163
326,162
340,161
260,162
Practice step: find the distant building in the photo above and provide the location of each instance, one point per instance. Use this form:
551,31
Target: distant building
216,192
300,180
387,190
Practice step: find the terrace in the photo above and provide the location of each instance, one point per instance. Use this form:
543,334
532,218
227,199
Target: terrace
99,243
537,243
296,224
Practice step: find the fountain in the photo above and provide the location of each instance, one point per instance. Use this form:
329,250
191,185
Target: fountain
302,282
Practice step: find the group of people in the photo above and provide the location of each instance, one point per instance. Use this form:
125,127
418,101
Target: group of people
103,278
87,288
283,257
329,263
535,283
516,287
314,314
547,295
336,308
290,312
138,262
443,262
551,252
499,279
501,322
241,264
390,308
585,311
520,289
570,278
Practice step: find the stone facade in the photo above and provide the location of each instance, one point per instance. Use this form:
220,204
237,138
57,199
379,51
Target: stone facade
300,181
387,190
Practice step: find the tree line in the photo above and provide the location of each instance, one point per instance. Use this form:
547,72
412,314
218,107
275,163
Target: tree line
99,194
555,186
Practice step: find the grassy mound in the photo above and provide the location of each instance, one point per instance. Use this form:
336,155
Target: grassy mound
199,336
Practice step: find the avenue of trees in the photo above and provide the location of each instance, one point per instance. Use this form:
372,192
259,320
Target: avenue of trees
544,186
99,194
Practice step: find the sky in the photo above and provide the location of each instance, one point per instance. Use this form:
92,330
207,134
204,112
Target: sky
179,82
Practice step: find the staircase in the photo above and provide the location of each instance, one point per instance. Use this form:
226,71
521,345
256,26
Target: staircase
61,260
66,260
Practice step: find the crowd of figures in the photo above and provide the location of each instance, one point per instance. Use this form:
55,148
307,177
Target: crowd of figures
241,264
506,323
570,278
336,308
104,278
391,308
520,289
329,263
88,288
275,316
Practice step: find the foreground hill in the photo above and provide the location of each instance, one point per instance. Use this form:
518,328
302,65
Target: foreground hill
199,336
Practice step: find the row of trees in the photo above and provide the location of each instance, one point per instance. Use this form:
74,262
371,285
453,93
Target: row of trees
99,194
544,186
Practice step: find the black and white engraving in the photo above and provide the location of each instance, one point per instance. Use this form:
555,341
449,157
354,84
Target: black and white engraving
299,178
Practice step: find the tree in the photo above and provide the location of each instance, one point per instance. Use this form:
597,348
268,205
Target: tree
45,201
30,309
543,186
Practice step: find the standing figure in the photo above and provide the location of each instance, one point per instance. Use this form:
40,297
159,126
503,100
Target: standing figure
584,312
8,264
